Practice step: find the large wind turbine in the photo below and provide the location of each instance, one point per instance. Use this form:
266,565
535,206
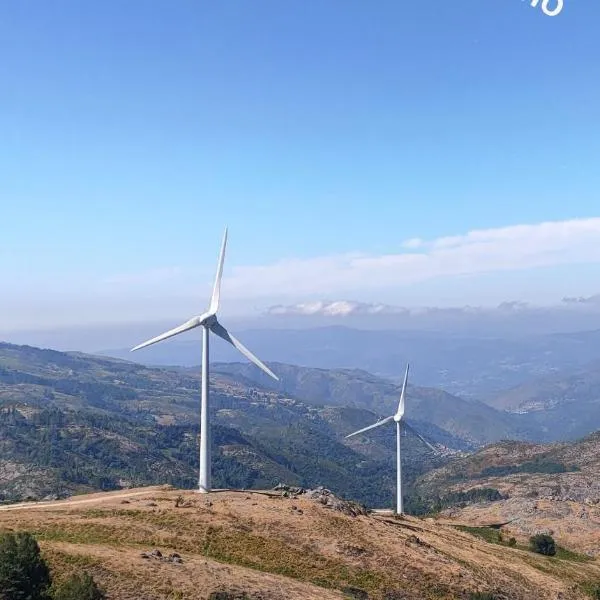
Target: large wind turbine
396,417
208,322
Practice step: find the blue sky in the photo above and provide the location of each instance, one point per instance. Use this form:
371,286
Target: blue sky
132,132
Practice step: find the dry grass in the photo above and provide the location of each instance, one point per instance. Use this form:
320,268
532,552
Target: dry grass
281,548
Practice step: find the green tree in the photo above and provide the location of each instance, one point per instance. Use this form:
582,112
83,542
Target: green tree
543,543
78,587
24,574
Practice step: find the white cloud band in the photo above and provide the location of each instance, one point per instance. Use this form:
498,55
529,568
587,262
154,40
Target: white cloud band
481,251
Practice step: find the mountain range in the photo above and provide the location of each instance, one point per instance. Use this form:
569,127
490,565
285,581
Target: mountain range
71,422
469,366
75,422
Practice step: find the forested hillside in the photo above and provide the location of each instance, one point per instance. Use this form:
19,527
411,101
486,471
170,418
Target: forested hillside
71,422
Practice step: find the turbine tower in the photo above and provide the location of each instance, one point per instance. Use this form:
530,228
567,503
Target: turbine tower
396,417
209,323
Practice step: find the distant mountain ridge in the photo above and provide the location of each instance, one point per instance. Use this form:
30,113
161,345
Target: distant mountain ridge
466,365
563,406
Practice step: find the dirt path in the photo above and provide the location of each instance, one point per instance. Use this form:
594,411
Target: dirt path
89,499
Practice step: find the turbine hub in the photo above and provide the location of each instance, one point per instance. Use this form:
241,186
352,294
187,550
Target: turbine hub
207,320
397,418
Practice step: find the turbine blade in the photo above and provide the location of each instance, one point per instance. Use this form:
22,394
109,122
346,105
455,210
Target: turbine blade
400,411
163,336
382,422
219,330
424,440
216,294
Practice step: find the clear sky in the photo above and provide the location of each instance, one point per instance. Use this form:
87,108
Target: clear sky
363,150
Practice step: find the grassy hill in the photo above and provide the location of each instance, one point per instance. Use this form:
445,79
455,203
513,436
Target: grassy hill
271,547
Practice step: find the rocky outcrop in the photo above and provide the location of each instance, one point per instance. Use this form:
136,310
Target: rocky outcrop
325,497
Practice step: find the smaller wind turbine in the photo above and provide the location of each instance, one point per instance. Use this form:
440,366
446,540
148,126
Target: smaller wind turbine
208,322
396,417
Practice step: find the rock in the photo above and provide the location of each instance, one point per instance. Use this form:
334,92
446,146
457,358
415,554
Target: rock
151,504
125,502
156,553
145,555
327,498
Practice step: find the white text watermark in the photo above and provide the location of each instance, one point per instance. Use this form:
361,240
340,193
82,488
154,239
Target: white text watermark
545,5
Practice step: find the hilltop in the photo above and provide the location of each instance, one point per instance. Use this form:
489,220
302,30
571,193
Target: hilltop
274,547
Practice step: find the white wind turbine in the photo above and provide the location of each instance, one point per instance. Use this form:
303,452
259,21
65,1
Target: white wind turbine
396,417
208,322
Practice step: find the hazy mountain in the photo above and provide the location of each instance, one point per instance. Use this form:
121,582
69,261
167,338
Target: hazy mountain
477,367
562,406
510,319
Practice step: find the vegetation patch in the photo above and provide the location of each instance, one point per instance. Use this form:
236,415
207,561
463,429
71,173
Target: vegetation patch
419,506
25,575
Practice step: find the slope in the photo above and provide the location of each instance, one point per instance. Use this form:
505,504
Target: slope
270,547
75,423
552,488
469,420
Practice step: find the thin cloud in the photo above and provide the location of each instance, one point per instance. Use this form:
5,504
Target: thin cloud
480,251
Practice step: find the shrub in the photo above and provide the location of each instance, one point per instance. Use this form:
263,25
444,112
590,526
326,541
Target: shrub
78,587
24,574
355,593
543,543
594,591
512,542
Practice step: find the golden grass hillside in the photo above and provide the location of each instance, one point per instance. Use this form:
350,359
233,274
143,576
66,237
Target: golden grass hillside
275,547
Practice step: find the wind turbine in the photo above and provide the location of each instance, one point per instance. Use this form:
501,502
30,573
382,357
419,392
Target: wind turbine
396,417
209,323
